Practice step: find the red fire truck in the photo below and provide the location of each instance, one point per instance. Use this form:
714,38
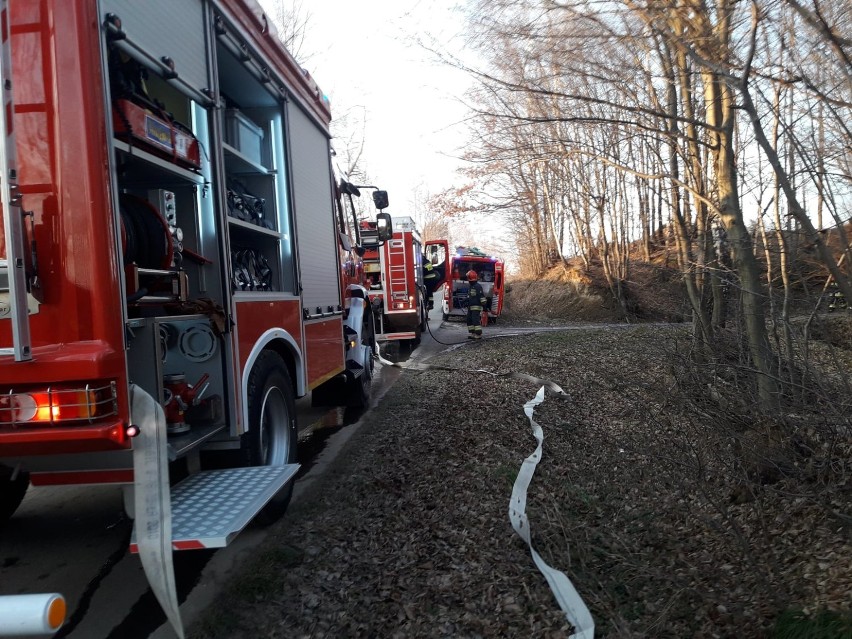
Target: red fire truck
397,291
490,271
177,267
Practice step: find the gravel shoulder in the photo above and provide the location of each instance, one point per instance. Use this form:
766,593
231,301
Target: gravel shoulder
635,499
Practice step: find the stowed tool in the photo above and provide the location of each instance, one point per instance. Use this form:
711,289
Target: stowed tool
178,397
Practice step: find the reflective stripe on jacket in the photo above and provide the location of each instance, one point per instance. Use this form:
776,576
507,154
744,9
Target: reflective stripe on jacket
429,272
476,299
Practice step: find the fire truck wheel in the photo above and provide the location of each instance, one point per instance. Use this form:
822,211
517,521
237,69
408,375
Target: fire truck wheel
359,389
272,439
11,492
445,317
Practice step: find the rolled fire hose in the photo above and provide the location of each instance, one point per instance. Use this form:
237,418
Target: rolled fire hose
22,615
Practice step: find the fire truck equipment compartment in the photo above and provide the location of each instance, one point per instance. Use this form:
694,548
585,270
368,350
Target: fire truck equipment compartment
146,238
244,135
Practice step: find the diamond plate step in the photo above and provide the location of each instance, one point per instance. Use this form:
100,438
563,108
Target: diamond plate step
210,508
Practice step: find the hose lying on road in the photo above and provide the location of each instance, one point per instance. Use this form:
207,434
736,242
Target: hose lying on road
429,328
553,386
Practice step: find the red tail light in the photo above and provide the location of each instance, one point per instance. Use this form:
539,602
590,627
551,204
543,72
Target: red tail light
41,406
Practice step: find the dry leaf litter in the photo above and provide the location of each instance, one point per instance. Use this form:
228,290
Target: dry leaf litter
634,499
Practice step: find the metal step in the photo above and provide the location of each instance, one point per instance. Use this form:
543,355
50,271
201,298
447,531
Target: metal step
180,445
355,370
210,508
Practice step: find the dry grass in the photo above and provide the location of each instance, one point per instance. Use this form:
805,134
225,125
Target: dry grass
569,293
529,300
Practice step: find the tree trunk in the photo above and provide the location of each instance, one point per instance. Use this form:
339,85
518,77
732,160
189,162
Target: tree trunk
720,115
701,320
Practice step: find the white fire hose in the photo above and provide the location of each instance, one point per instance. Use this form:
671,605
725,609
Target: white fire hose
566,595
22,615
153,502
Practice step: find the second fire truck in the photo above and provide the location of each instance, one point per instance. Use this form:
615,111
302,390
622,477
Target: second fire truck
490,273
397,291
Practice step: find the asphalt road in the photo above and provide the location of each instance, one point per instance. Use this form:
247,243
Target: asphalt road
74,540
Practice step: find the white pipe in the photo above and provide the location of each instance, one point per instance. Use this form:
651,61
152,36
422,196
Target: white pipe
31,614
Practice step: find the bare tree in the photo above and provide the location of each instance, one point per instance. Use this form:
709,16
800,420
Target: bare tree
641,120
292,22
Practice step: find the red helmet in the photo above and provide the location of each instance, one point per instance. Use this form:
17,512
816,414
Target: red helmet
471,276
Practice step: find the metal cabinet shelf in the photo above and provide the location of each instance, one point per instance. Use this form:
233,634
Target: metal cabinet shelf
238,164
148,167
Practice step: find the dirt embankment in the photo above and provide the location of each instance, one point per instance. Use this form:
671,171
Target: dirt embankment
568,293
654,502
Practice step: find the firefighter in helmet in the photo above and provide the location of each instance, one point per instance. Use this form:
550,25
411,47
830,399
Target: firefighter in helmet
432,276
476,301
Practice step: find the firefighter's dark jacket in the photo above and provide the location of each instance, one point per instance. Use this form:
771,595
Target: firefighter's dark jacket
476,299
431,272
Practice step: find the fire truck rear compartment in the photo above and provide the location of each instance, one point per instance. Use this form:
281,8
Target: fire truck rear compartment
178,309
484,270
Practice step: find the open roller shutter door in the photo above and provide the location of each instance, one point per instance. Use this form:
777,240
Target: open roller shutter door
167,28
311,170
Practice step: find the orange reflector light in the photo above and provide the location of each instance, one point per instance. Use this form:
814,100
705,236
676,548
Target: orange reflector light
30,615
56,612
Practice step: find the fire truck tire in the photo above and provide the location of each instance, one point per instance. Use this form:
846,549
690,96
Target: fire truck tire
445,317
418,332
272,439
11,492
359,389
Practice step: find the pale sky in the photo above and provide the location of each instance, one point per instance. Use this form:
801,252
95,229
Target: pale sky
365,56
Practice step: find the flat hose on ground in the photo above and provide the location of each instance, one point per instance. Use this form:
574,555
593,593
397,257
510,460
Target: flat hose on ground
569,600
